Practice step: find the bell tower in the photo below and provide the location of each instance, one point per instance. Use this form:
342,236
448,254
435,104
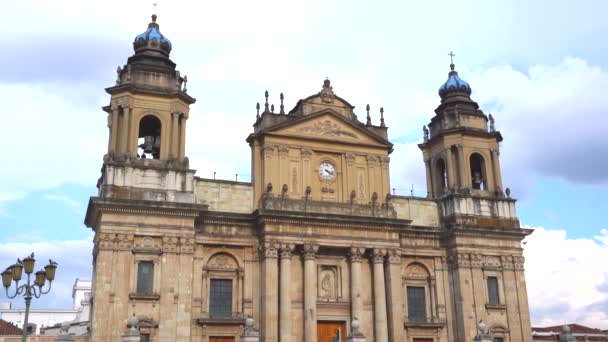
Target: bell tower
149,108
460,150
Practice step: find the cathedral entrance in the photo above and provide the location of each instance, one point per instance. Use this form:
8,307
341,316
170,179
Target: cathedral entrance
221,339
331,331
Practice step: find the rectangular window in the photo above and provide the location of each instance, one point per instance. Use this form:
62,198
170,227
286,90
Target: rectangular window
144,338
145,277
220,298
493,297
416,304
498,339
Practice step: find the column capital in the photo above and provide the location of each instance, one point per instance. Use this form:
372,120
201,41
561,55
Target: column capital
286,250
270,249
309,251
356,254
378,255
394,256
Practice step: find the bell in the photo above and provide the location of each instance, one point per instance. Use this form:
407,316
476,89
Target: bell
148,145
477,178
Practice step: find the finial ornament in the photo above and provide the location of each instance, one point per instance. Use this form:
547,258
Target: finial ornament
185,90
257,109
266,110
382,117
369,118
272,108
451,54
327,93
492,128
282,107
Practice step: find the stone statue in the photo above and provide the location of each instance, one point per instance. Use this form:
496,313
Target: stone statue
326,285
492,129
118,71
426,133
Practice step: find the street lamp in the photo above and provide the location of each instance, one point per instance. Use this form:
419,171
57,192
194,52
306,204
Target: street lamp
29,289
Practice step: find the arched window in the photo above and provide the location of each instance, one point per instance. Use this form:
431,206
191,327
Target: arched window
148,141
419,298
223,287
478,172
442,176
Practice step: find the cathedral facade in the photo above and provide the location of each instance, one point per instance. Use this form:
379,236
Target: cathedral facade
316,239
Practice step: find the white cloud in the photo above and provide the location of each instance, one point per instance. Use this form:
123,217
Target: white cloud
73,256
567,279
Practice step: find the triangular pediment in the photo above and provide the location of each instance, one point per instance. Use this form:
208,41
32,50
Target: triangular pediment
329,125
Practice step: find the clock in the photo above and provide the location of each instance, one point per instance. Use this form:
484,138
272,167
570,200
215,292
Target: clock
327,171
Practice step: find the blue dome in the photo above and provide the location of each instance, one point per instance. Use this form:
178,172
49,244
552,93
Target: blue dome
152,39
454,84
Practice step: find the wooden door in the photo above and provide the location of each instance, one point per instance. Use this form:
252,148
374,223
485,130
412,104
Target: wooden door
221,339
327,330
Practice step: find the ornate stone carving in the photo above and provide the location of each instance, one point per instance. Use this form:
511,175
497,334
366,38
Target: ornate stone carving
328,282
286,250
327,92
268,150
491,261
170,244
124,241
476,260
459,260
326,128
394,256
507,262
222,261
384,161
416,271
270,249
518,262
350,158
309,251
306,153
105,240
186,245
283,150
356,254
378,255
373,160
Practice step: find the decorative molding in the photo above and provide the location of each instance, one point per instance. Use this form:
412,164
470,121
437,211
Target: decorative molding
268,150
476,260
283,150
286,250
356,254
373,160
507,262
309,251
518,262
327,128
350,158
378,255
270,249
306,153
394,257
384,161
491,261
459,260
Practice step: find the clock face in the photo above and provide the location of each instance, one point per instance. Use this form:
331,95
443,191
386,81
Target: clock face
327,171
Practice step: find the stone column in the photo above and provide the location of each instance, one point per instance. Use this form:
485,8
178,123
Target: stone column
181,154
395,295
449,169
114,129
310,292
356,299
496,169
124,127
173,135
270,298
429,179
285,292
380,320
461,166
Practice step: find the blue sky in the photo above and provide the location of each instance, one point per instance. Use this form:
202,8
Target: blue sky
541,68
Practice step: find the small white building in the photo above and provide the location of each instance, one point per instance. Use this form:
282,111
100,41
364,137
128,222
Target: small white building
81,296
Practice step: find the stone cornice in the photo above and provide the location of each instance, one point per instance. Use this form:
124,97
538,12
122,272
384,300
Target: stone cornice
99,205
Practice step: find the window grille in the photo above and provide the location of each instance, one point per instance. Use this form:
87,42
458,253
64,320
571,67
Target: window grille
416,304
493,297
145,277
220,301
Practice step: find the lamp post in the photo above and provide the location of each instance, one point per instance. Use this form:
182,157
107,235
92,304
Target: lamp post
29,289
